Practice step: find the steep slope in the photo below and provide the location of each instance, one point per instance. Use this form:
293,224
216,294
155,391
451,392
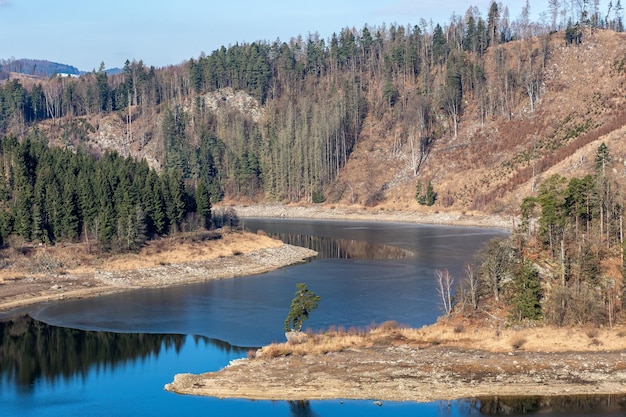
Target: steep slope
497,158
486,167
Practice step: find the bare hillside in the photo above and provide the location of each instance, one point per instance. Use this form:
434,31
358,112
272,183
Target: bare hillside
580,105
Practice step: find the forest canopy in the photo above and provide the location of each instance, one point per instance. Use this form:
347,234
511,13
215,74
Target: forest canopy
50,194
312,97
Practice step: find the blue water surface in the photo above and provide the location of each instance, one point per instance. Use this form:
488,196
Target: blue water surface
238,315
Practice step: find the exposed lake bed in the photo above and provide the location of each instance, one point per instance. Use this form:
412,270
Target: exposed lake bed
406,374
232,254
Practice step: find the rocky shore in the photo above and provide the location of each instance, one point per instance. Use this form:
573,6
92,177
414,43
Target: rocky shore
374,214
402,373
57,273
429,364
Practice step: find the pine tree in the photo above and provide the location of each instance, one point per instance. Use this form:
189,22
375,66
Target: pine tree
69,216
431,195
304,302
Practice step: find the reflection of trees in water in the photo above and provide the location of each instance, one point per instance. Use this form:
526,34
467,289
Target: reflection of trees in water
328,247
30,349
501,406
301,409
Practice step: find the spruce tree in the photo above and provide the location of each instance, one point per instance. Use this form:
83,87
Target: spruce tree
527,296
431,195
304,302
203,204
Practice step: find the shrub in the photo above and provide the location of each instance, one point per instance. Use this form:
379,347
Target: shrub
518,342
389,325
318,197
225,217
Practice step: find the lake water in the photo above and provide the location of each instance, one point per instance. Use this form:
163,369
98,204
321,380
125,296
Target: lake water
112,355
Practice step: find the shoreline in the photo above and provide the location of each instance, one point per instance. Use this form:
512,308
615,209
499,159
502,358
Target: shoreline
388,372
18,291
347,213
410,375
435,364
429,372
54,285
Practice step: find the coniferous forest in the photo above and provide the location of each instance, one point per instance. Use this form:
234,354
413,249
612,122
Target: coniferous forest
308,98
52,194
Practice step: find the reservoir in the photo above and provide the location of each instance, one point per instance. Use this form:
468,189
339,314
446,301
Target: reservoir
112,355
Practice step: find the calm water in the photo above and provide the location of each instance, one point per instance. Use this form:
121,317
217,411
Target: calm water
129,345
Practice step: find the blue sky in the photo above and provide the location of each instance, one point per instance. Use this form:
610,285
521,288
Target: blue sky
84,33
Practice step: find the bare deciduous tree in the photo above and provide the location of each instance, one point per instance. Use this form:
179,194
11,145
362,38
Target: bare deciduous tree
472,285
444,288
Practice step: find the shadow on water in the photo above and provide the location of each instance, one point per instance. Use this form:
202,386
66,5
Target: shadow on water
31,350
301,409
558,405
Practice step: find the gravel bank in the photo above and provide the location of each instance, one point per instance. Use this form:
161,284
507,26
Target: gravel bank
359,213
405,373
257,262
23,289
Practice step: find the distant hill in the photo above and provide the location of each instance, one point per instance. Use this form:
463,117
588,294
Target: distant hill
42,68
113,71
38,67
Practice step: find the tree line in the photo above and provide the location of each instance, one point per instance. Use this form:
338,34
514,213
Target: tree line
51,194
315,95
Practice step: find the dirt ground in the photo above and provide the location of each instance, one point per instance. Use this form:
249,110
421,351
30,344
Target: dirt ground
36,274
439,362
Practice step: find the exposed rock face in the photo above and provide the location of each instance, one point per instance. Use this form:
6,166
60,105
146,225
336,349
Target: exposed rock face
226,99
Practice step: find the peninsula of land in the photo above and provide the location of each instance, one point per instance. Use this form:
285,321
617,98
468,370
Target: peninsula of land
47,273
439,362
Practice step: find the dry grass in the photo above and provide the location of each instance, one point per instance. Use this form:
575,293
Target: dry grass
538,339
170,251
518,342
77,258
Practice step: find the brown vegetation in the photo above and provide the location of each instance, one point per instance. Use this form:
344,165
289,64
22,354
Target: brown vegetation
447,334
390,362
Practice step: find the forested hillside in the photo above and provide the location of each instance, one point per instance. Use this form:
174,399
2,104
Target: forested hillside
483,113
480,108
51,194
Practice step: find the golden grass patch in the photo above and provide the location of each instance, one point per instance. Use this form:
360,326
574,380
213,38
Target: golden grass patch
537,339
